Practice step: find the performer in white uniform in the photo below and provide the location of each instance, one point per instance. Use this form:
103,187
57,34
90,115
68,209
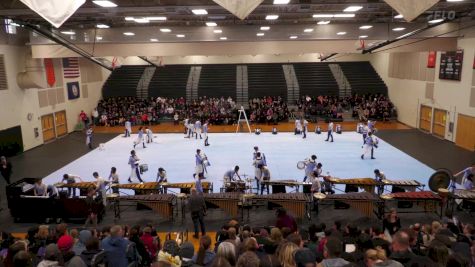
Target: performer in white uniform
466,172
140,138
198,129
229,175
369,145
330,131
298,126
365,132
161,178
89,137
71,179
205,132
310,165
148,135
200,165
254,156
101,187
305,128
265,176
258,163
134,165
379,177
128,128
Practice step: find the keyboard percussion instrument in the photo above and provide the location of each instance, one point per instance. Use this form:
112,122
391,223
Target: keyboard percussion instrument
160,203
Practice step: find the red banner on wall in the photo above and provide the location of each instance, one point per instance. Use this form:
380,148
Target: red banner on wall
431,59
49,68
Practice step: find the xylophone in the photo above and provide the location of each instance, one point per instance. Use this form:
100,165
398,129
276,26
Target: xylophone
153,187
406,185
367,184
186,187
278,186
462,197
363,201
226,201
426,199
81,185
296,203
160,203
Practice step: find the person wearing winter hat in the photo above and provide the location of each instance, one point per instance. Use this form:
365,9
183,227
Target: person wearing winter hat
92,249
65,245
80,245
52,257
304,257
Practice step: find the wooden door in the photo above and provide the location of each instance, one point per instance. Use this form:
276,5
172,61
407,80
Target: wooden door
61,123
439,123
465,132
425,120
47,124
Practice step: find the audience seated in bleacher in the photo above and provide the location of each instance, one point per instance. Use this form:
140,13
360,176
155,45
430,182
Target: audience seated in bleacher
445,243
330,107
268,110
372,107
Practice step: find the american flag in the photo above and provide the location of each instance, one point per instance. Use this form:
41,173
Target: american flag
71,67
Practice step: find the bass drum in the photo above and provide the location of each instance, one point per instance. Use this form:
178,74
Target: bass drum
440,180
301,165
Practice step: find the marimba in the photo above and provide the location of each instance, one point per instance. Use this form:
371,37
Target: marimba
186,187
278,186
161,203
82,186
362,201
428,200
462,195
153,187
367,184
405,185
297,203
225,201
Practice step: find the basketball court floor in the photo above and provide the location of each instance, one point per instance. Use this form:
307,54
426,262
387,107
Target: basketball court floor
176,155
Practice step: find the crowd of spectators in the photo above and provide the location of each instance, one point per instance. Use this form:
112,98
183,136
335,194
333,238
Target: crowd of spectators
116,110
268,109
441,243
331,107
372,107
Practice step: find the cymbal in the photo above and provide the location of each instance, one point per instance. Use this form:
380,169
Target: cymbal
319,195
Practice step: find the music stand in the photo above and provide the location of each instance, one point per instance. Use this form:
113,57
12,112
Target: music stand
242,113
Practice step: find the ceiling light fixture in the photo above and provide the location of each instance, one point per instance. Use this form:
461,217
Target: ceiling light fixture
281,2
272,17
365,27
199,11
129,33
399,16
129,18
142,20
455,0
265,28
398,29
102,26
435,21
344,15
352,8
153,40
161,18
98,38
165,30
363,36
322,15
293,37
308,30
340,33
211,24
223,38
260,34
217,31
180,35
68,32
104,3
323,22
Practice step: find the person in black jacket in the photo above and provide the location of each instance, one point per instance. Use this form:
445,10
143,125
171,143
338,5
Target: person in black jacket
5,169
134,236
92,249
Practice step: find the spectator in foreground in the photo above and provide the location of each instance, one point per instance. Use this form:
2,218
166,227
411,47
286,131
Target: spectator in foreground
401,252
285,220
115,246
248,259
332,252
205,256
377,258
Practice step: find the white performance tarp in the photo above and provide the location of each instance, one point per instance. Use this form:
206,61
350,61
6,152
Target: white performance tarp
411,9
55,12
241,8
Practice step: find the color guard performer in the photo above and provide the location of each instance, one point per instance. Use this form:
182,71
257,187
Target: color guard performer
466,172
258,163
89,136
330,131
140,138
298,127
310,165
201,162
205,132
305,128
254,156
198,129
365,132
148,135
128,128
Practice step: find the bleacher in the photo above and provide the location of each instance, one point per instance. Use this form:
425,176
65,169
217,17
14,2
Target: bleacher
315,79
169,81
266,80
363,78
217,80
123,81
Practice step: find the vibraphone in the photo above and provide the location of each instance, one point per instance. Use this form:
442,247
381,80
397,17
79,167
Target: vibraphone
367,184
405,185
161,203
426,199
299,204
140,189
467,196
82,186
226,201
278,186
362,201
